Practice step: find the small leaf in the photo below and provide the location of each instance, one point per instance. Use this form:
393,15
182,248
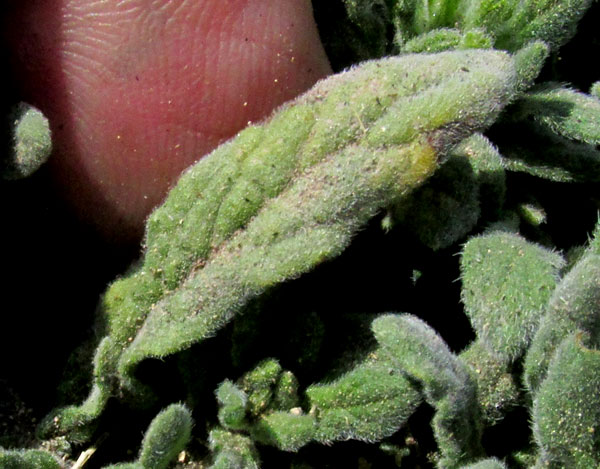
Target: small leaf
368,403
31,142
232,450
507,283
27,459
566,112
259,385
498,389
566,408
487,166
491,463
166,436
529,61
574,305
285,430
416,351
233,406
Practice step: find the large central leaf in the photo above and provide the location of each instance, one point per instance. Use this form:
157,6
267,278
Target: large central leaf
288,194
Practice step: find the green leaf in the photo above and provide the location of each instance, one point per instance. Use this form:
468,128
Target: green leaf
285,430
491,463
444,209
511,24
232,451
498,388
514,23
259,385
167,435
370,20
554,133
566,408
31,142
549,156
594,245
80,421
27,459
233,406
566,112
356,159
507,283
486,164
529,61
416,351
442,39
289,194
574,305
263,403
368,403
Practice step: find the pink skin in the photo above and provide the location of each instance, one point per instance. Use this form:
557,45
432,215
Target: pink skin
137,90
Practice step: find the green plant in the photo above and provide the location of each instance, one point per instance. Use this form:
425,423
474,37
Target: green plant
453,146
168,434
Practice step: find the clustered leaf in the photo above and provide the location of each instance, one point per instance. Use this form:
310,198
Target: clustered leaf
425,26
284,197
573,306
451,140
28,459
376,397
446,383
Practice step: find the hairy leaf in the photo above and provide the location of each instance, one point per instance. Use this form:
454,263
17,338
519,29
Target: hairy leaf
417,351
287,195
507,282
566,408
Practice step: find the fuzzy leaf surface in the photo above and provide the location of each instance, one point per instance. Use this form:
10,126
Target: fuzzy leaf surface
574,305
566,112
511,24
289,194
166,436
27,459
369,403
507,282
232,450
566,410
31,142
416,351
357,156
